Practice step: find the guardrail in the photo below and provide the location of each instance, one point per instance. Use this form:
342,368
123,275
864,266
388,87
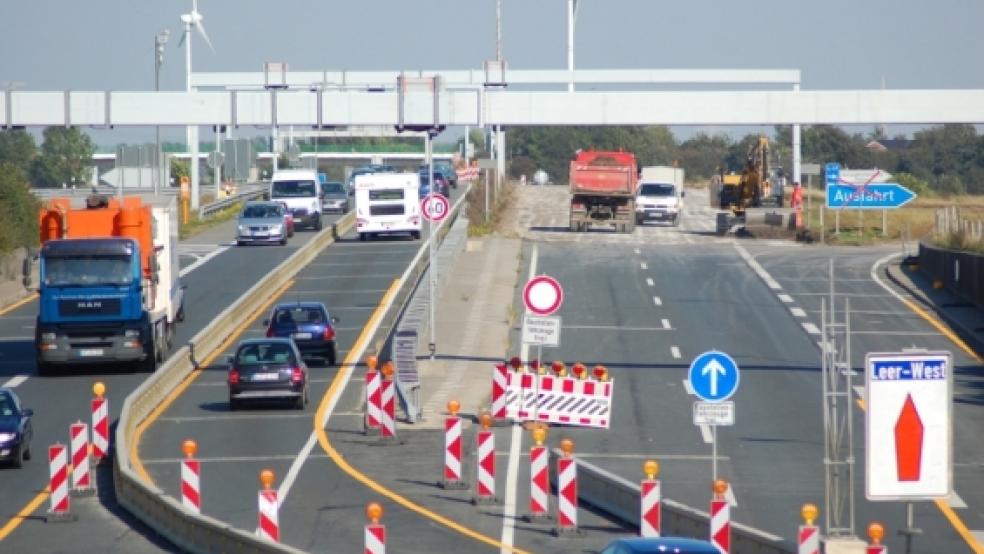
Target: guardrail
962,273
188,531
196,532
621,498
218,205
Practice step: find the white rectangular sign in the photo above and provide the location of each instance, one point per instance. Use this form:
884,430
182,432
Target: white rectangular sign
543,331
862,176
909,425
714,413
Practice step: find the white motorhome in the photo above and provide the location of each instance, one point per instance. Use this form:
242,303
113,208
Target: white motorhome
300,191
387,203
660,194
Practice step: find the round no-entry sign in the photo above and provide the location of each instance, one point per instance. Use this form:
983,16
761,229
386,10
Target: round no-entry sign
435,207
543,295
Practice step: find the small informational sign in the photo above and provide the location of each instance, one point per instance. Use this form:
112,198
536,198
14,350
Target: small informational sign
405,356
714,413
541,331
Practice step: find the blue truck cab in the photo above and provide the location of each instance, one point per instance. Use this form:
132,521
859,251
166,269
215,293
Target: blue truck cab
92,303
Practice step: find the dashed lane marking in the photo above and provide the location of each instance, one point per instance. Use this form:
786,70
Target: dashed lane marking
666,323
643,265
675,352
14,381
688,387
786,298
657,300
798,312
705,433
650,282
811,328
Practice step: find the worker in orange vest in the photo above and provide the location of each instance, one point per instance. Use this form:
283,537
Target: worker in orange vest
796,203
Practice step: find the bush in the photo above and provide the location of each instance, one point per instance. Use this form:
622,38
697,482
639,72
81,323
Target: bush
915,184
18,210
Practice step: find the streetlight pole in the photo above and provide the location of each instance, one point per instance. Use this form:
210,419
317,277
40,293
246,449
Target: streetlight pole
159,41
432,268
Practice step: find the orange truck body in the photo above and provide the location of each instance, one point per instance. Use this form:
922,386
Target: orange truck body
603,186
131,219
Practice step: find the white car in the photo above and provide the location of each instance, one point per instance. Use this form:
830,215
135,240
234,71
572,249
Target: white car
659,201
299,189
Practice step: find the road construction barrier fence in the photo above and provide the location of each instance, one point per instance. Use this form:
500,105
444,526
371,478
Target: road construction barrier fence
81,476
556,398
720,532
58,484
185,529
620,498
100,427
165,515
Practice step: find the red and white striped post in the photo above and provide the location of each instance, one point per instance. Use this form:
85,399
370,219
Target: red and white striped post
81,476
58,472
375,536
500,380
388,403
191,485
720,518
373,399
100,423
649,520
808,537
566,489
876,532
452,449
269,506
539,475
485,481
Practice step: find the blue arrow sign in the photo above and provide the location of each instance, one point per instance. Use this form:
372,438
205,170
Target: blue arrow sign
873,196
713,376
831,172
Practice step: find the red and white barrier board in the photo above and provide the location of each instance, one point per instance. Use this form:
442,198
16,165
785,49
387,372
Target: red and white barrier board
467,173
721,525
58,473
566,494
375,539
269,525
374,410
650,521
452,450
539,481
486,465
567,400
388,412
191,493
100,428
808,540
81,477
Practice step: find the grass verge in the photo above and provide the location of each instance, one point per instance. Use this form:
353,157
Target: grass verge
196,225
478,224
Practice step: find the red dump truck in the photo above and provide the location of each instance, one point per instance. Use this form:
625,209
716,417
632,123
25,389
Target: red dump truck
603,189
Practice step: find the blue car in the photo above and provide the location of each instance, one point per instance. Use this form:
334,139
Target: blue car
442,186
15,429
309,325
661,545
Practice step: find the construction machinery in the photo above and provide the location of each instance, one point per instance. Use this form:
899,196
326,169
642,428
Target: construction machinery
603,189
110,290
759,184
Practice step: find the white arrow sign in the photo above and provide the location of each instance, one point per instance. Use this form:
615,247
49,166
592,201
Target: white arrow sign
715,369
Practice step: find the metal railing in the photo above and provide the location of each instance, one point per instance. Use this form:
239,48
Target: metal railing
255,190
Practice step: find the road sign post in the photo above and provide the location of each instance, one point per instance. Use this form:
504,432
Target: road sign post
714,378
542,296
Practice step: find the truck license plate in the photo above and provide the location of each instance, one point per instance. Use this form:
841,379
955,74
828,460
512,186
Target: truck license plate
90,352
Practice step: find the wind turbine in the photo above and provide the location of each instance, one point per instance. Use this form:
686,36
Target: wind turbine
193,19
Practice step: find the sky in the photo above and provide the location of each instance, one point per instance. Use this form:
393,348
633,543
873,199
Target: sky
836,44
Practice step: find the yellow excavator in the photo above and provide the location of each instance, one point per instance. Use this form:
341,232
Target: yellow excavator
751,188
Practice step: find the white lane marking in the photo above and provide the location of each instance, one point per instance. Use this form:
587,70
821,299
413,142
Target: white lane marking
14,381
203,260
978,535
675,351
666,324
810,328
515,442
688,387
729,495
637,251
643,265
156,461
757,268
657,300
798,312
955,501
613,328
786,298
705,433
650,282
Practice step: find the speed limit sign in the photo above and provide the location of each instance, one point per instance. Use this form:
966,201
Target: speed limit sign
435,207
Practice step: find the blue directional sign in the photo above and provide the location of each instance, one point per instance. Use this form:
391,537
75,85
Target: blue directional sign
714,376
831,172
871,196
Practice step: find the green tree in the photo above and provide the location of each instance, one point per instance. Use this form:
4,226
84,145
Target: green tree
66,155
18,209
17,148
701,156
179,168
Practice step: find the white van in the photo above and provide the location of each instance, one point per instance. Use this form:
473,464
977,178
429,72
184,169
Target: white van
660,194
387,203
300,191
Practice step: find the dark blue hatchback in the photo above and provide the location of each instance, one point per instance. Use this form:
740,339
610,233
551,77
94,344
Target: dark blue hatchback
310,326
15,429
661,545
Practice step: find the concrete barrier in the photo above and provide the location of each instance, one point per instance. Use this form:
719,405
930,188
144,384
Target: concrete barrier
189,531
621,499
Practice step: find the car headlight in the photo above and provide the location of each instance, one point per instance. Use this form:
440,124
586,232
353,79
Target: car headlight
4,437
244,228
277,228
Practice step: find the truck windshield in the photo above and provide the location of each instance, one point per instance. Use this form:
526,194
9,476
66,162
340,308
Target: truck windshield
656,189
293,189
87,270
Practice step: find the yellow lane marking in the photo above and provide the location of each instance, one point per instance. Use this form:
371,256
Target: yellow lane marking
946,510
135,460
335,389
25,512
19,303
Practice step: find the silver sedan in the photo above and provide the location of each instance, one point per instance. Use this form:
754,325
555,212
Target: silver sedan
261,223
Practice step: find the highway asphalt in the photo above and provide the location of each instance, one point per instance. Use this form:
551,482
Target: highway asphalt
646,311
61,400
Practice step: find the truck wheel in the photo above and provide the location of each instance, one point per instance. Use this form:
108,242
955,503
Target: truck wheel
233,404
317,223
362,237
44,370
